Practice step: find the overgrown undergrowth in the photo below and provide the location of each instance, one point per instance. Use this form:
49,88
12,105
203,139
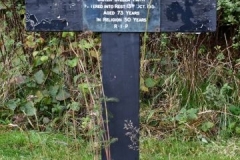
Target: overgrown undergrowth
189,82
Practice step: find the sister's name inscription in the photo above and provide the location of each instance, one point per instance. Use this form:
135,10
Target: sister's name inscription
122,15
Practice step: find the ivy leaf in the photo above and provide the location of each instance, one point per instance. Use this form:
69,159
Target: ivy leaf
62,95
39,77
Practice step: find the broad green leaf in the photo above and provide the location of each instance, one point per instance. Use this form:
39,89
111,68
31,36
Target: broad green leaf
39,95
35,53
39,77
144,88
220,56
62,95
29,109
84,87
237,130
30,41
64,34
71,34
225,90
12,104
2,6
44,58
206,126
74,106
150,82
56,70
181,117
53,90
192,113
75,78
46,120
58,108
72,63
37,61
83,44
232,125
94,54
234,110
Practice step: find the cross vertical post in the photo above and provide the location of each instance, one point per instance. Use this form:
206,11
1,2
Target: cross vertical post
120,62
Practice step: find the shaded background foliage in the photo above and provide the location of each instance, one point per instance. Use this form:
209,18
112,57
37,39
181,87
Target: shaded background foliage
189,82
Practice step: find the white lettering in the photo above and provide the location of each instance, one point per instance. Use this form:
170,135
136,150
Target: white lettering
151,6
127,19
108,13
109,6
96,6
130,5
133,13
119,6
105,19
139,19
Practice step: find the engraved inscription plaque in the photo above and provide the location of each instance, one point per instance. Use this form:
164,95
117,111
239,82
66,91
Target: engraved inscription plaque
121,15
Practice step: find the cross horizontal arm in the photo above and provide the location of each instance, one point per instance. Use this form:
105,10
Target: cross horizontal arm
121,15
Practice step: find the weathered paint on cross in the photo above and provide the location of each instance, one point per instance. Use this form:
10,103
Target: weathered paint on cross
120,51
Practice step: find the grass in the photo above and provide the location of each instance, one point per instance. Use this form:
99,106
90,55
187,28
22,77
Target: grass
15,145
173,149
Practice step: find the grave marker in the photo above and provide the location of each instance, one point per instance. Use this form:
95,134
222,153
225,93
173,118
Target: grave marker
121,22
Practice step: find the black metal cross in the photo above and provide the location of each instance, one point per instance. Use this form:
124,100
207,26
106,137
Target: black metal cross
121,22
